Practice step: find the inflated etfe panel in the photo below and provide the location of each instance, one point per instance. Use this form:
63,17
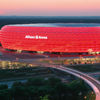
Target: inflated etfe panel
52,37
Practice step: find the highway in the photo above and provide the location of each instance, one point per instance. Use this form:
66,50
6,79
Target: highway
93,83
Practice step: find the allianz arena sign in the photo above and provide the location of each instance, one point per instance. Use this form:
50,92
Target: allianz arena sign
36,37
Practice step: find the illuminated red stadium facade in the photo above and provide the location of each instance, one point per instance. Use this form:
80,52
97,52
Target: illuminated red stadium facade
71,38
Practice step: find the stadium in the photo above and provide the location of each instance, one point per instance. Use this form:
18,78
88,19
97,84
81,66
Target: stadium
55,37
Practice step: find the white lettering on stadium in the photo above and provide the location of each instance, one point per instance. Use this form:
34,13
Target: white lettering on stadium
36,37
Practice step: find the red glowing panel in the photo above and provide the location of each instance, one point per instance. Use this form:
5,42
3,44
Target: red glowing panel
51,39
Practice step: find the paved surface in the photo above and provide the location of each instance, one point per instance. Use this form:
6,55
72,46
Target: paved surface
27,55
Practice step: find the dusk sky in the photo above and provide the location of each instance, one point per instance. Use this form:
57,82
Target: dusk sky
50,7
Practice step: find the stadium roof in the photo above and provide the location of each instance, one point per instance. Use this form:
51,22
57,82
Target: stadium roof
58,25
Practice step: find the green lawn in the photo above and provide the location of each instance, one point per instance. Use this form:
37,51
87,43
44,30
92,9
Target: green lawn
86,67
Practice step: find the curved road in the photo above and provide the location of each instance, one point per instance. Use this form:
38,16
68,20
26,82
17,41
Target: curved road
93,83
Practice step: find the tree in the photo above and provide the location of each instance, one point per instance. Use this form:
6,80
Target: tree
3,87
5,94
53,81
36,82
44,98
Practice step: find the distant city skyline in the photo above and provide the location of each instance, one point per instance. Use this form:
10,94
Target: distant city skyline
50,7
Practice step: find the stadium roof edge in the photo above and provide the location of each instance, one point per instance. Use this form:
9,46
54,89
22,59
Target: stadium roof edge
57,25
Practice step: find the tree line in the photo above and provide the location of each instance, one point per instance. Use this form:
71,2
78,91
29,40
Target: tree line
47,89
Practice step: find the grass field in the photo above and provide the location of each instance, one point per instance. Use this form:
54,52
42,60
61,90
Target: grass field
86,67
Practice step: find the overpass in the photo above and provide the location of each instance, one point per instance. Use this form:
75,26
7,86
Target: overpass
93,83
